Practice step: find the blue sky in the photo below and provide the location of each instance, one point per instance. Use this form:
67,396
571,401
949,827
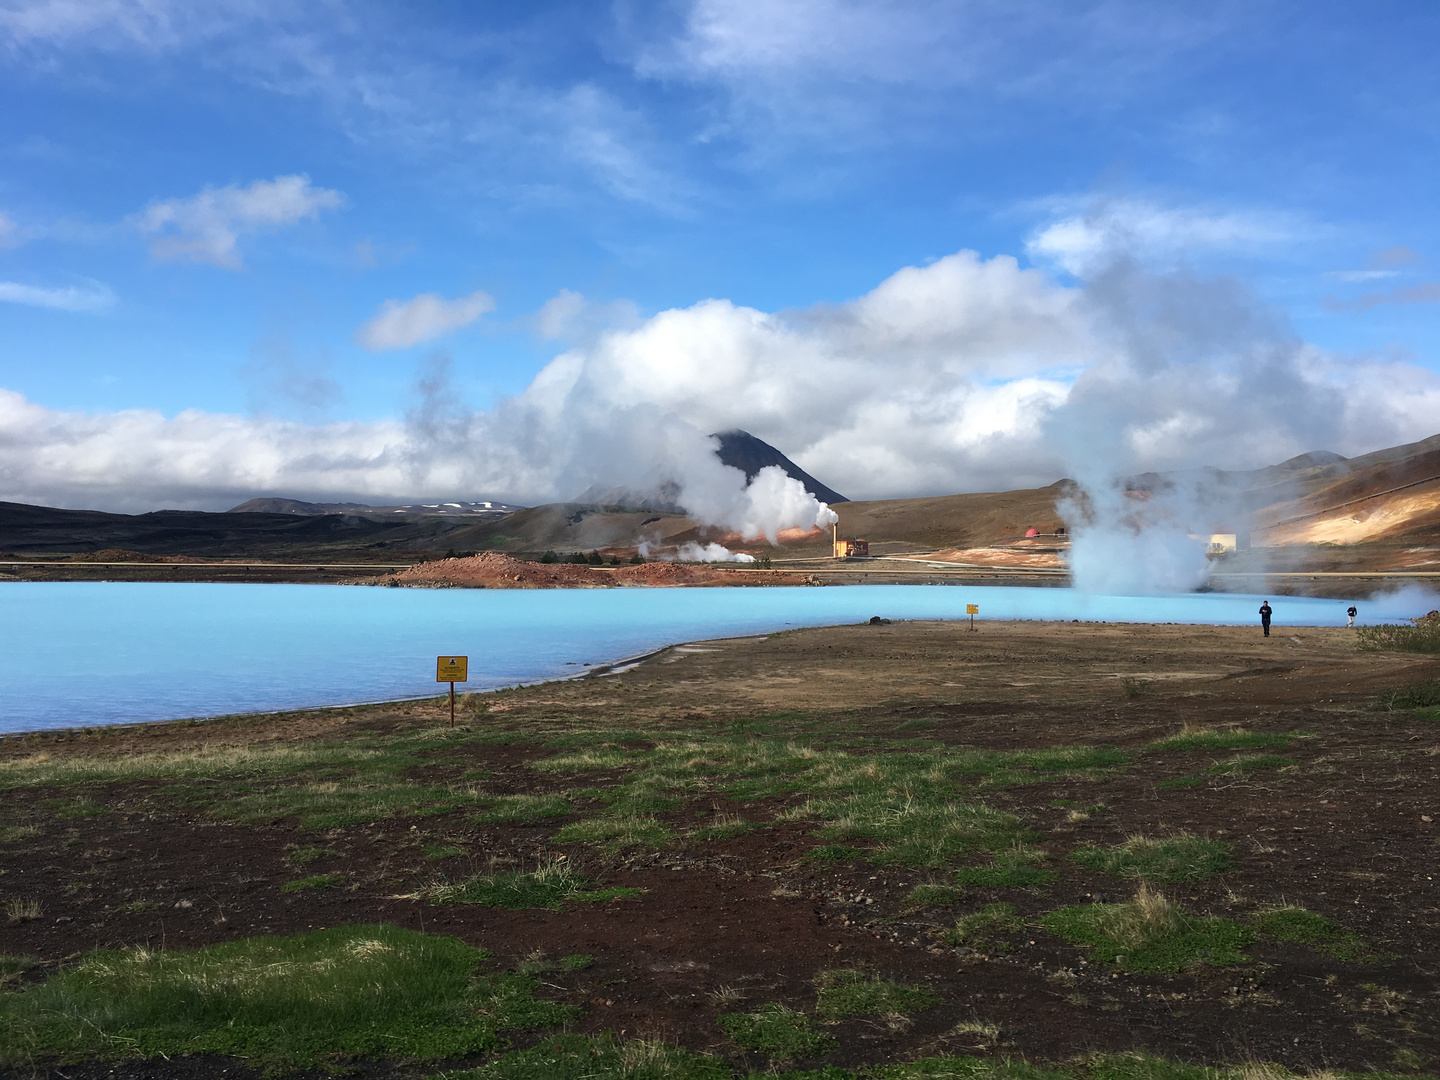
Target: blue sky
226,212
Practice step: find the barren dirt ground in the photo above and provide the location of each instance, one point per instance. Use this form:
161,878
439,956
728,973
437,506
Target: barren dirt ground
701,778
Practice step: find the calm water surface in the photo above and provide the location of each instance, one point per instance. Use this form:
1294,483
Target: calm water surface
85,653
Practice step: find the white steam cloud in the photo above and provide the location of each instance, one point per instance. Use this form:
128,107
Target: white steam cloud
710,553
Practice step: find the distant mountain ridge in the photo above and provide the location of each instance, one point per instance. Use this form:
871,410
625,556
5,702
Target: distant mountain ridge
312,509
743,451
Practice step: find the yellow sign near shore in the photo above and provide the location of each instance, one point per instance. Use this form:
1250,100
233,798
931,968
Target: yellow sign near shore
452,668
972,609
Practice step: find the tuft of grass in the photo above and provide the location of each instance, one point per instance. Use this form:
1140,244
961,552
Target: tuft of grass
928,896
13,834
979,930
616,833
303,1001
524,809
1243,763
965,1068
1421,638
315,881
1181,782
723,827
1175,858
13,968
834,853
549,886
847,992
1012,868
777,1031
537,963
915,831
19,910
1150,934
598,1057
435,852
1222,739
1293,924
300,856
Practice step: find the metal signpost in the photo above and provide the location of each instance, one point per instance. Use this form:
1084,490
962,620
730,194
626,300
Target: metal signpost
452,669
972,610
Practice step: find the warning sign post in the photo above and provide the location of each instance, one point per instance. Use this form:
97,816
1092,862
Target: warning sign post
972,610
452,669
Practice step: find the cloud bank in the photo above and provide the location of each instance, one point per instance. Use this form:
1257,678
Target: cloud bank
966,374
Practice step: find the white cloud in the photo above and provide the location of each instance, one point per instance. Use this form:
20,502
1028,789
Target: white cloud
967,374
207,227
399,325
94,297
9,231
1085,241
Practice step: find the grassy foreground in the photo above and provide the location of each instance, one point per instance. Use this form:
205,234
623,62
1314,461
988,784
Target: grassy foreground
1090,853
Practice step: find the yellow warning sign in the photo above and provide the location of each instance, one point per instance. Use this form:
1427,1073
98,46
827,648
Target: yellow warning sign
452,668
972,609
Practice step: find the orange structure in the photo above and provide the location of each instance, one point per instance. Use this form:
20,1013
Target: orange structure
844,549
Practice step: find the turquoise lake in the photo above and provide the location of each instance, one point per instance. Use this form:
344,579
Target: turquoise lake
78,654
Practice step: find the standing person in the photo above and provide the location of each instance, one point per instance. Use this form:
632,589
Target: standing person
1265,617
1350,614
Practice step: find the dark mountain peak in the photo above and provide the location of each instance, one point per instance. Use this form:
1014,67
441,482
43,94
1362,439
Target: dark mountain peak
743,451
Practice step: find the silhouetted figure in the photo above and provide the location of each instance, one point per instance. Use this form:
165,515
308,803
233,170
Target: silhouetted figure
1265,617
1350,614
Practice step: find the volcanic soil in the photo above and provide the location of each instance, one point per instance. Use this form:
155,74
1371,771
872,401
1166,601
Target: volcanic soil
168,841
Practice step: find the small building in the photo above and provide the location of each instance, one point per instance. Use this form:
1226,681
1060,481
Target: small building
845,549
1220,543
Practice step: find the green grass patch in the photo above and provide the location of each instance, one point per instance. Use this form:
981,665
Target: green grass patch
1296,925
981,930
14,834
302,856
1220,739
1175,858
13,968
550,886
724,827
835,853
324,784
599,1057
928,896
1243,763
308,1000
524,809
1181,782
434,852
617,833
1432,713
847,992
1420,695
1011,868
1422,638
965,1068
1150,934
315,881
910,803
777,1031
538,964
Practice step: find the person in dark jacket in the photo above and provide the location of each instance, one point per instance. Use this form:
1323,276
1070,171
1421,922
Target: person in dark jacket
1265,617
1350,614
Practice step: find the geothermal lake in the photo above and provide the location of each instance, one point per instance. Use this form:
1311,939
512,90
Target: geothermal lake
78,654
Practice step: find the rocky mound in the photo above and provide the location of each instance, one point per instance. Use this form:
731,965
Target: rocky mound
491,570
